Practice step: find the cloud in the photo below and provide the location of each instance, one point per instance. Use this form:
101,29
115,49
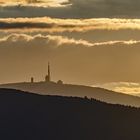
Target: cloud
123,87
46,40
15,4
33,1
74,9
61,25
40,40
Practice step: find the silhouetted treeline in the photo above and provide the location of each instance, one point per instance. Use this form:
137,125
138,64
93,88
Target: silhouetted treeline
26,116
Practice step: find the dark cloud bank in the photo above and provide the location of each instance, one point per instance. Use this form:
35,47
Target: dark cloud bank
78,9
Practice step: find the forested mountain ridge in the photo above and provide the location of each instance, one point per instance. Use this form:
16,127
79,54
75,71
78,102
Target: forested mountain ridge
30,116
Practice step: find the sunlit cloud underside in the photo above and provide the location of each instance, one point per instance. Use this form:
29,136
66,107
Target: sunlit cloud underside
123,87
60,25
53,3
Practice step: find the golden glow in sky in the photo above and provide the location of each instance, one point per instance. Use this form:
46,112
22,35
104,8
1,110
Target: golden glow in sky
14,1
123,87
37,2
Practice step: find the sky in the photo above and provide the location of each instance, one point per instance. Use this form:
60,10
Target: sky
90,42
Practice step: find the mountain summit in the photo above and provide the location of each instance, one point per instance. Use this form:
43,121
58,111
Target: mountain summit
52,88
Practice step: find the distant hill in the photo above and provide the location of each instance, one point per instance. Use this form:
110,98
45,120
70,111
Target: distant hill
52,88
27,116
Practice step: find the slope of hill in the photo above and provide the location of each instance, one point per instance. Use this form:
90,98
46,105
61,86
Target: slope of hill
26,116
76,90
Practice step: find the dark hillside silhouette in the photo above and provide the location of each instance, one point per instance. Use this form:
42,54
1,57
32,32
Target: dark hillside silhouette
52,88
27,116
